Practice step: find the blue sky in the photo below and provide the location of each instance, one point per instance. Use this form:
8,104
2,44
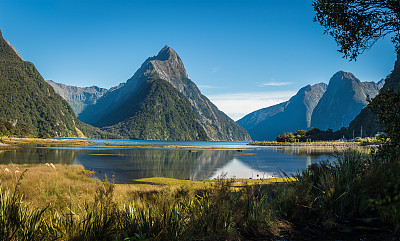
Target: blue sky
243,55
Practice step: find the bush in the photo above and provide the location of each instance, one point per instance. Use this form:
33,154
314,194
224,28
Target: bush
327,192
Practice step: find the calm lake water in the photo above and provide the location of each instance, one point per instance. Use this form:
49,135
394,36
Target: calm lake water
129,163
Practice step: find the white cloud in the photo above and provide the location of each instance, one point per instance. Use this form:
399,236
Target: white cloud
273,83
237,105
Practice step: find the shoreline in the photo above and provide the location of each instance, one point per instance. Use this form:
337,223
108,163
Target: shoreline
307,144
15,141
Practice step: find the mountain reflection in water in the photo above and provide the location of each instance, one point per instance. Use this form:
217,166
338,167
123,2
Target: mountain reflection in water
128,164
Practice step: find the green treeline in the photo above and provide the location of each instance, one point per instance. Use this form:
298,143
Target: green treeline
313,134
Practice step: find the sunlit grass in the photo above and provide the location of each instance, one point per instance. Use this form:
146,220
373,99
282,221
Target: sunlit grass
73,206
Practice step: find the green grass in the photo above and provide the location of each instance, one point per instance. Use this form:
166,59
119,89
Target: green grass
64,203
206,212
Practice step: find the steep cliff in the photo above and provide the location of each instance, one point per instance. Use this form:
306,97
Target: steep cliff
292,115
343,100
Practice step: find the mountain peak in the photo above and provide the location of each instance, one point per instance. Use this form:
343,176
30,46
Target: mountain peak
168,65
166,53
342,74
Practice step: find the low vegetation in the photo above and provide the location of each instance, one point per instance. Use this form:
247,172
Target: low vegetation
358,191
62,202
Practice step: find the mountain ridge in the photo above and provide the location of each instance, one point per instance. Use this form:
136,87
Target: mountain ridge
343,100
291,115
332,107
29,101
366,119
78,97
167,66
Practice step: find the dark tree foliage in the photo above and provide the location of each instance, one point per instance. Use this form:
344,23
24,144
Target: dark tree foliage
357,24
387,108
314,134
20,130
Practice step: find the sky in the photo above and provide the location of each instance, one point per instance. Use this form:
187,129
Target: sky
243,54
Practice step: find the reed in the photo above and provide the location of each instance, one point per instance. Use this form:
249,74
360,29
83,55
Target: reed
356,186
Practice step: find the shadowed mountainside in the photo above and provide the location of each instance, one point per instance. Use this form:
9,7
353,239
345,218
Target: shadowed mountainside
343,100
367,119
292,115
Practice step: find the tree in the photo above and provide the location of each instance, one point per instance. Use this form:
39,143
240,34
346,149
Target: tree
286,137
357,24
386,106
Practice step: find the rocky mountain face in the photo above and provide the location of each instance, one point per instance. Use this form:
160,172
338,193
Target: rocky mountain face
13,48
27,100
120,105
322,106
78,97
292,115
157,112
343,100
366,118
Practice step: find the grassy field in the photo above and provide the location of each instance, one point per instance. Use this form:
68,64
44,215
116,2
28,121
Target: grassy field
358,194
59,186
63,202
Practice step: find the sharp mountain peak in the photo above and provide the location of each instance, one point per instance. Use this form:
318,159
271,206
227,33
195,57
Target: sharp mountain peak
166,53
168,65
342,74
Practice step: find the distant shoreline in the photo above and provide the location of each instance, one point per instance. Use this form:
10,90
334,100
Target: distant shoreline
14,142
308,144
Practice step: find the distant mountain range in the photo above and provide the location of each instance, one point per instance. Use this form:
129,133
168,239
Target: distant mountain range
158,102
322,106
366,120
77,97
289,116
343,100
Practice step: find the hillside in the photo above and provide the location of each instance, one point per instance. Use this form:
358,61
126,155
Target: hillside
116,107
28,102
158,112
292,115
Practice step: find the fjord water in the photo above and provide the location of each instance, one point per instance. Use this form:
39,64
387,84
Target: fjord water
130,159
